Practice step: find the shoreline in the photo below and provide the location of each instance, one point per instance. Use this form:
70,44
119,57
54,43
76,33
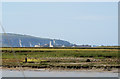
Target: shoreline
59,70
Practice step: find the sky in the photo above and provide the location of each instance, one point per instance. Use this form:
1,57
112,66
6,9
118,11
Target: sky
59,0
93,23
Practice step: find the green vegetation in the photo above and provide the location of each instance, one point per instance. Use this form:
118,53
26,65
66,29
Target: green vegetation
60,57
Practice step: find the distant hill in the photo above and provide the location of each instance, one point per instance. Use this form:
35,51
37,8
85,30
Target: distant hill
26,40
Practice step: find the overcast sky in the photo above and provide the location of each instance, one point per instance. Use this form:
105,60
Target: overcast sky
80,23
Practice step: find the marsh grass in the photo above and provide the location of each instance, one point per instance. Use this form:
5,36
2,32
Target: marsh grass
59,58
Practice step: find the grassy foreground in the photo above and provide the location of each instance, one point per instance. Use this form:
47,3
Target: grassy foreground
61,58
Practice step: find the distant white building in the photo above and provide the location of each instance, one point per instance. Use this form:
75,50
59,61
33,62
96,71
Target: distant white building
73,46
37,46
20,43
63,46
54,42
50,45
30,44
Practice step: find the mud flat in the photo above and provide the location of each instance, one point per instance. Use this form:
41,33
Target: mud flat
47,73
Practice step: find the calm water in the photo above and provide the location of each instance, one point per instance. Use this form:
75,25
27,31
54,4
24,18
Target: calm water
15,73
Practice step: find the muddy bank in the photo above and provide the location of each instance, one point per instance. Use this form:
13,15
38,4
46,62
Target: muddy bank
92,69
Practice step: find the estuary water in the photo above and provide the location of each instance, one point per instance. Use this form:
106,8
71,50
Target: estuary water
44,73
